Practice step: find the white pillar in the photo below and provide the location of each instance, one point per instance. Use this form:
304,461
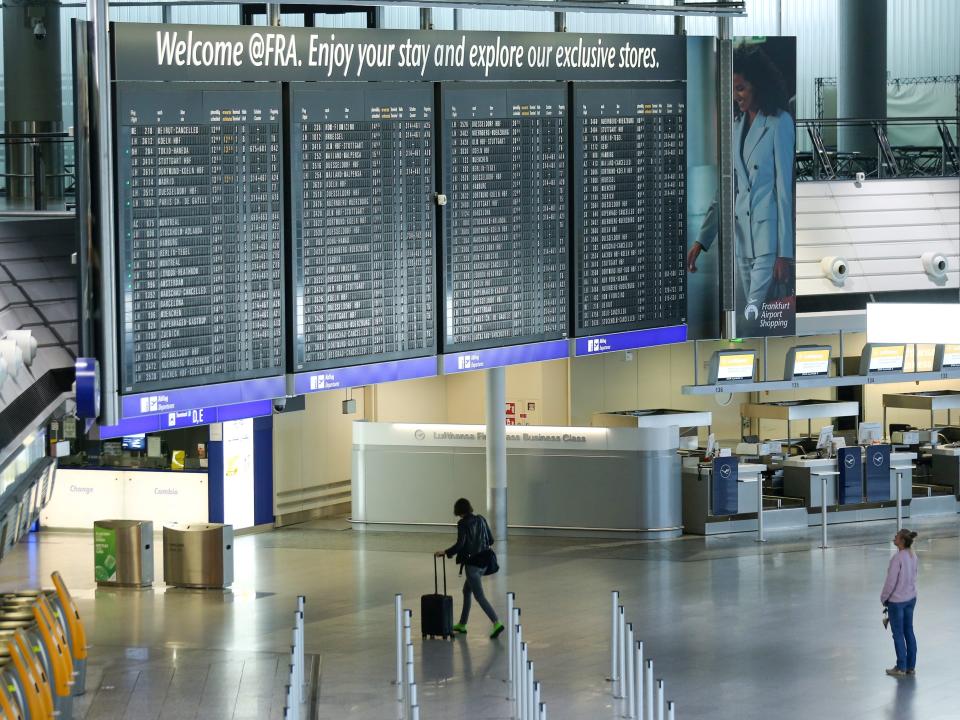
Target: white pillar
497,453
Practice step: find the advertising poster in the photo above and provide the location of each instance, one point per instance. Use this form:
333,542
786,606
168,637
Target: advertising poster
104,554
764,139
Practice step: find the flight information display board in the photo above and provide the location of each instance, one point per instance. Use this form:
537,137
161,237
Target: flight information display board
505,223
629,206
363,220
200,215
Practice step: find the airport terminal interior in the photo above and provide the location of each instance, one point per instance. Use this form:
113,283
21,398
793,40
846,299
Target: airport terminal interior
631,327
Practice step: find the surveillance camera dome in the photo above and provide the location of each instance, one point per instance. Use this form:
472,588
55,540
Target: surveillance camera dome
39,29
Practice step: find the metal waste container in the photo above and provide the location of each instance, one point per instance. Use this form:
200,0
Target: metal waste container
123,553
198,555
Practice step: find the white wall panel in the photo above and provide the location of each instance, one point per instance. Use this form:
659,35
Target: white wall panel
882,229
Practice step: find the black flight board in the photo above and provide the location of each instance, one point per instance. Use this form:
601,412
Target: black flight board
505,223
363,221
629,206
199,170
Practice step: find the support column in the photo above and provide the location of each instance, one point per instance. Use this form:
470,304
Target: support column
862,76
31,94
728,245
497,453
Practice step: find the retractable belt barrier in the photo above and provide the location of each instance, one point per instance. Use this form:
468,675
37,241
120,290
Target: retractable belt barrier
632,677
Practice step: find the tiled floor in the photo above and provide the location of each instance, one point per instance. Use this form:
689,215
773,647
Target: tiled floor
739,631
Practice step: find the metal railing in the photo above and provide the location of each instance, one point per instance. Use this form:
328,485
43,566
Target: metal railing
35,177
890,159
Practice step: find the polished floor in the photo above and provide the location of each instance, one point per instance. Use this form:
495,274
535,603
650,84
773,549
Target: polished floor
738,630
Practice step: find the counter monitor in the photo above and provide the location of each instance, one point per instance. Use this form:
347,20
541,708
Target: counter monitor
732,366
200,214
946,357
808,361
880,358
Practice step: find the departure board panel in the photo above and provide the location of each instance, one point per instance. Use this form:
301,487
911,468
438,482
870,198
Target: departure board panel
505,223
199,172
363,221
629,206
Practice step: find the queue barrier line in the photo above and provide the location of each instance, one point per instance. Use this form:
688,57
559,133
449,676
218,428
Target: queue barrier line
77,632
32,688
61,665
39,674
10,707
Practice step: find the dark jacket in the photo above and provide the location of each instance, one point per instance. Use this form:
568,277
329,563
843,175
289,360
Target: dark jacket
473,537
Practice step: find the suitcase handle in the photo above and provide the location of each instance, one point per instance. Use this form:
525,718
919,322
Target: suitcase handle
436,590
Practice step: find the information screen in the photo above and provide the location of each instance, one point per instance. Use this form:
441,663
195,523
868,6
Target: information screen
736,366
200,227
887,358
629,206
505,223
811,362
951,356
362,175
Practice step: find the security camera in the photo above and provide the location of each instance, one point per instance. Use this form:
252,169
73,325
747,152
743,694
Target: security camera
39,29
279,404
835,269
859,178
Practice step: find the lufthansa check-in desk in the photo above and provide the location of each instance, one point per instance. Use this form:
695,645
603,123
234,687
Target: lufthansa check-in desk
560,480
803,478
701,518
946,467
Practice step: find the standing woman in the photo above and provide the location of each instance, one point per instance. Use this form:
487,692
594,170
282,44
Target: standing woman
475,558
763,150
899,595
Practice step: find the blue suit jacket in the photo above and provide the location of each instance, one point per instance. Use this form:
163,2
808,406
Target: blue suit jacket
763,177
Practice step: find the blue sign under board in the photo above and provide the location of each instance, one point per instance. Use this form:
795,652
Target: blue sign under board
502,356
202,396
186,418
632,340
356,375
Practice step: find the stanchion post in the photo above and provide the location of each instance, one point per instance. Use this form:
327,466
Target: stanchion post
621,651
414,699
648,690
398,619
543,711
410,681
899,500
823,512
515,693
614,603
415,712
537,692
524,688
670,710
629,694
661,715
510,599
530,690
760,537
638,681
407,626
295,674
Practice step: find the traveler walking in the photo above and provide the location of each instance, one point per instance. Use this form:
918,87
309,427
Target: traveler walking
476,558
899,596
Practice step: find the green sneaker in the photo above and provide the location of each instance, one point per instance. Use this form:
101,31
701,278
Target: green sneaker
497,629
462,629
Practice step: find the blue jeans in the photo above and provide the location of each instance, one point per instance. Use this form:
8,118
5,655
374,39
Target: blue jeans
474,586
904,641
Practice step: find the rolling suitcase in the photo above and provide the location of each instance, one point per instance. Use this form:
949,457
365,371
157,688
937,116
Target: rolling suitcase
436,610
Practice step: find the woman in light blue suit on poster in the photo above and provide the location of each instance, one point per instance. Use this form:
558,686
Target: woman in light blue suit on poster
763,144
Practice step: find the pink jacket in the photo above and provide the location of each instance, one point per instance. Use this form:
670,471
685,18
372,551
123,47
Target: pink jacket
901,584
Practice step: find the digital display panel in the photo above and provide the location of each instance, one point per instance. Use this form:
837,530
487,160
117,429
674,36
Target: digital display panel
362,173
886,358
735,366
811,362
505,233
629,200
200,213
950,357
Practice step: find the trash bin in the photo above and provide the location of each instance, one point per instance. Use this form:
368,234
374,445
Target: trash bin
123,553
198,555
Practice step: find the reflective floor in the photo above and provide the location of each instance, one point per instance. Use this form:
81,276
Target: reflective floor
738,630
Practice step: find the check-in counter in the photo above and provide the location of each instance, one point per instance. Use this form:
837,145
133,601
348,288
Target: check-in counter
699,517
803,479
946,467
561,480
83,496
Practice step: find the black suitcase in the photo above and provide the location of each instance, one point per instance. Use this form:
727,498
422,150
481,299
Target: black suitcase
436,610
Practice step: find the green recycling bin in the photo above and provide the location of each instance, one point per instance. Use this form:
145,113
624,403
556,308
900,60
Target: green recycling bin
123,553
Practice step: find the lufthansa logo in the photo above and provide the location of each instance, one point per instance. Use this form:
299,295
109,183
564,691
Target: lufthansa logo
850,461
878,459
419,434
725,471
